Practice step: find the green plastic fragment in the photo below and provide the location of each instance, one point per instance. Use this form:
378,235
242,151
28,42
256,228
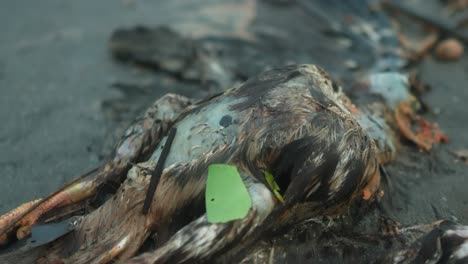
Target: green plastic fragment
273,186
226,196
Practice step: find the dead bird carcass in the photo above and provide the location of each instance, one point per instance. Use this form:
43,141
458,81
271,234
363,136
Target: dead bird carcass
294,123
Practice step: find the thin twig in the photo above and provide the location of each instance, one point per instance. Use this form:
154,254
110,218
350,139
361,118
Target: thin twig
156,175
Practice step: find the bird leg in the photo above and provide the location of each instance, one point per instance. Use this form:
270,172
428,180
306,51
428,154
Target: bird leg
137,144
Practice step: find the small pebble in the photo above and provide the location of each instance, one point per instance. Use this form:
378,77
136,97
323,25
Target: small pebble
449,50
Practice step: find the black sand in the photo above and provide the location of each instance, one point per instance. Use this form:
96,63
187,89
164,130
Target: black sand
56,72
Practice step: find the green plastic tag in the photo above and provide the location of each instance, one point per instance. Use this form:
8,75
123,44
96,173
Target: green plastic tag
273,186
226,196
